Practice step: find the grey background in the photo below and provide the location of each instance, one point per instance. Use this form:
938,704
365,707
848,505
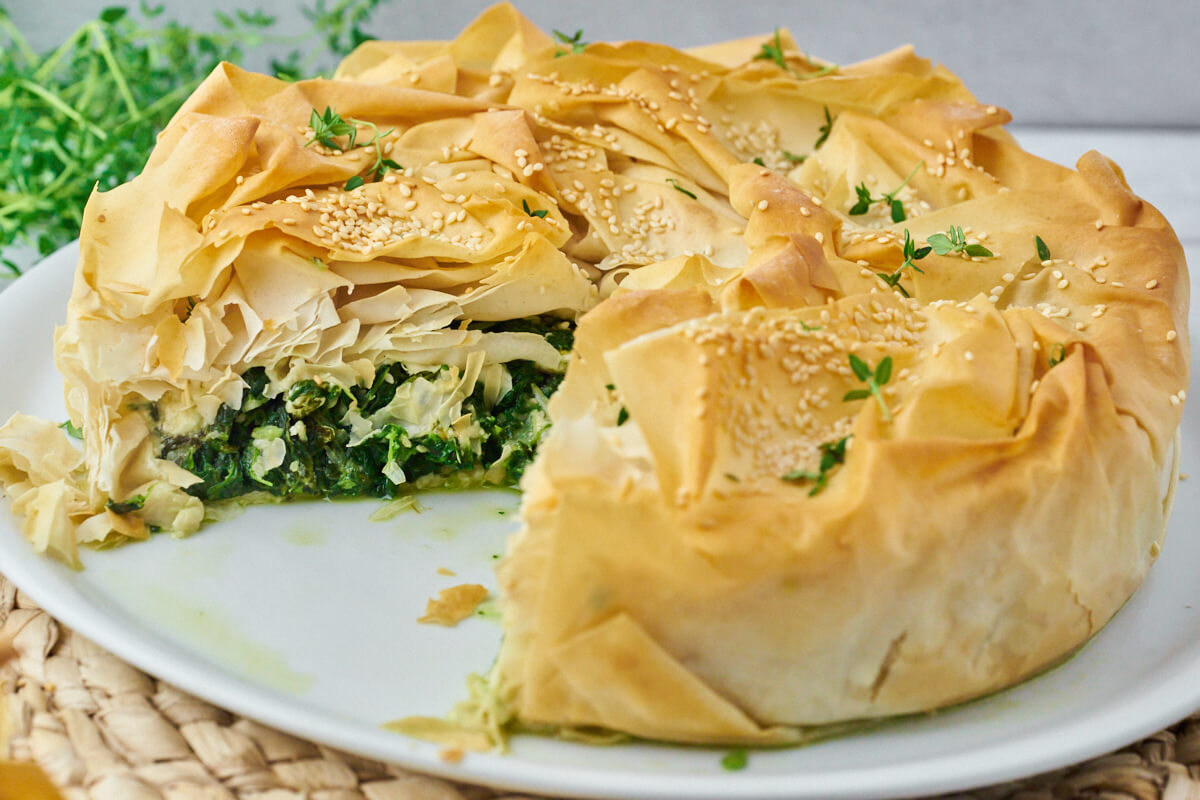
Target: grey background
1107,62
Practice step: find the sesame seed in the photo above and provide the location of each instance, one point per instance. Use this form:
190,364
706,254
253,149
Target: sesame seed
240,179
1172,336
968,355
762,205
245,213
1152,283
1064,283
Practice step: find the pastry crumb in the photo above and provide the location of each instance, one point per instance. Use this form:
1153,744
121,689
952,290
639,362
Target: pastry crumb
446,571
453,605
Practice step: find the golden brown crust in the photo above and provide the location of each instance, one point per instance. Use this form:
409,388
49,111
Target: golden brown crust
688,569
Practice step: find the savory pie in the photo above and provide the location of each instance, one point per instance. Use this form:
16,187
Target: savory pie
867,411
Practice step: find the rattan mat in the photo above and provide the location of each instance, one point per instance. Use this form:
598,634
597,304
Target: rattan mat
102,730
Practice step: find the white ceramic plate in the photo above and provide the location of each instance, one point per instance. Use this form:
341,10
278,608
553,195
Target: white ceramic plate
302,616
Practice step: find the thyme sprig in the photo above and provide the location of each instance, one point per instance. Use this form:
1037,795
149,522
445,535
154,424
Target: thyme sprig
824,130
575,42
329,126
955,241
772,50
865,200
874,378
832,455
911,253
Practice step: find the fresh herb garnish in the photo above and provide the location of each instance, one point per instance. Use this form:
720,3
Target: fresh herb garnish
889,198
71,430
911,253
576,42
758,160
675,182
622,416
540,213
1057,354
955,241
330,125
832,454
735,759
772,50
874,378
809,328
824,129
792,157
1043,252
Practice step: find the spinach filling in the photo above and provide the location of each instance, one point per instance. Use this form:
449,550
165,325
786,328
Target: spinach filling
306,431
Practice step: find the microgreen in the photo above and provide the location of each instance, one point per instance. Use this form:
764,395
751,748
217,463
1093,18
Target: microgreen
735,760
354,183
888,198
758,160
540,213
792,157
576,42
832,454
874,378
1057,354
911,253
955,241
622,416
675,182
1043,252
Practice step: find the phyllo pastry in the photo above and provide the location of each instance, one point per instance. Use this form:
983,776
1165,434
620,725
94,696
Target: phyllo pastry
868,411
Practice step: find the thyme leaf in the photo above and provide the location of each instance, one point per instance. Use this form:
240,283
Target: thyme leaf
540,213
1043,252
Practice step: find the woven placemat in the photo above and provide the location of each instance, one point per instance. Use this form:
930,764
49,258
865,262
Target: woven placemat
103,730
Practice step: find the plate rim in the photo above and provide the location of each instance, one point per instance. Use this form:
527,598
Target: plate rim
1129,717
